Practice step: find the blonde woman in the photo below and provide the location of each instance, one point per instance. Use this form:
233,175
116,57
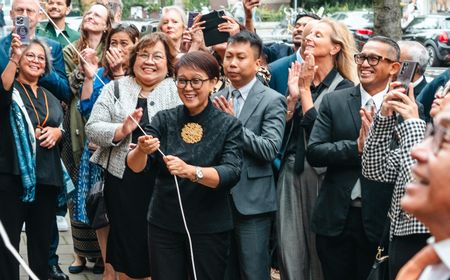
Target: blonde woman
327,50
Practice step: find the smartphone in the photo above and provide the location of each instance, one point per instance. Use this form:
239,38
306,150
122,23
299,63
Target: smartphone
191,16
406,74
22,24
211,34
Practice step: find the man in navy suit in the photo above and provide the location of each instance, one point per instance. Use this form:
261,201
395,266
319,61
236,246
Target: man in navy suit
279,68
262,112
56,81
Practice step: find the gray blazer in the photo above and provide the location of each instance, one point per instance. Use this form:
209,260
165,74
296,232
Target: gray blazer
263,119
107,115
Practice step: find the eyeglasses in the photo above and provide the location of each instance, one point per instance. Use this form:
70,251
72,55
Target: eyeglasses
155,57
441,92
372,59
32,57
195,83
438,135
124,25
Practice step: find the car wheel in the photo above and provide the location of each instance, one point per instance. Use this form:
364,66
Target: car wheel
433,61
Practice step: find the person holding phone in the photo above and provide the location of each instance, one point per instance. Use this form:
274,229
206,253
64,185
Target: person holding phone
381,163
30,161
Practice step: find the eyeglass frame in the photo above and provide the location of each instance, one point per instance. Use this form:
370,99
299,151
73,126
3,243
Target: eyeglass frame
141,55
40,59
366,57
438,134
177,83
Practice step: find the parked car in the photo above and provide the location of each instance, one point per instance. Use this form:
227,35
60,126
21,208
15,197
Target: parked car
360,23
433,32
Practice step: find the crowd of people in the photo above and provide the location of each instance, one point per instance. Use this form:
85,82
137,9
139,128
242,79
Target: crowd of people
229,161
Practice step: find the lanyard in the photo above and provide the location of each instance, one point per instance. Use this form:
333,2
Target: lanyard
40,125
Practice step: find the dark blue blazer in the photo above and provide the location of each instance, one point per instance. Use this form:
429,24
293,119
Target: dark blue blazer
279,71
56,81
426,96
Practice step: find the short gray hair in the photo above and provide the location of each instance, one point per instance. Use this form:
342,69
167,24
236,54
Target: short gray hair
48,57
176,9
415,51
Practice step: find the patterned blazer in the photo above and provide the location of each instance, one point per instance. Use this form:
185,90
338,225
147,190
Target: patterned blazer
383,163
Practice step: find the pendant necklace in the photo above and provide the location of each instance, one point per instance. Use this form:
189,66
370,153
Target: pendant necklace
40,125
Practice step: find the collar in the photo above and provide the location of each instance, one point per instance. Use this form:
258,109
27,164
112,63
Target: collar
442,249
418,81
245,90
298,55
49,26
377,98
329,78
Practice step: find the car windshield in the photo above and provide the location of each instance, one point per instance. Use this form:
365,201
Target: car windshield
355,20
425,23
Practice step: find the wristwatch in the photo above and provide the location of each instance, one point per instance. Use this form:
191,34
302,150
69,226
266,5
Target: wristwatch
198,174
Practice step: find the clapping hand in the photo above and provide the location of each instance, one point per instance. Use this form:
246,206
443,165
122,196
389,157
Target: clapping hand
227,106
366,121
115,59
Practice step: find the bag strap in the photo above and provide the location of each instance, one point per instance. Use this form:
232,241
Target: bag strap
116,91
384,237
337,79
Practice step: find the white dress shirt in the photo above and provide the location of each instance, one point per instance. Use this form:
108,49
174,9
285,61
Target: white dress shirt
440,271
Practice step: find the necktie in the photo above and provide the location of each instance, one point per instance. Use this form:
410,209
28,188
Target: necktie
236,101
369,104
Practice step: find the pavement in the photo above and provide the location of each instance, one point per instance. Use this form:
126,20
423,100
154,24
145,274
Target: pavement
65,253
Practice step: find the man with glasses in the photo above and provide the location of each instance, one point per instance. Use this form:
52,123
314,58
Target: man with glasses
56,81
57,10
350,210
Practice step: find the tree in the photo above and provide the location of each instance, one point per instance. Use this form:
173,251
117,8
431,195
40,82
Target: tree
387,17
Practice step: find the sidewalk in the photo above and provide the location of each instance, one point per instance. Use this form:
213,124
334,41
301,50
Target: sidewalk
65,253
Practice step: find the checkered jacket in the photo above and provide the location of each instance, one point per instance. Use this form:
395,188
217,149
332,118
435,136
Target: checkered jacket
383,163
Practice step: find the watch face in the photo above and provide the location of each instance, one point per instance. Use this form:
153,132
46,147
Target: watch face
199,173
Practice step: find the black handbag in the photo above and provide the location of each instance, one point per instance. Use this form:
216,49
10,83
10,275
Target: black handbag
95,202
380,267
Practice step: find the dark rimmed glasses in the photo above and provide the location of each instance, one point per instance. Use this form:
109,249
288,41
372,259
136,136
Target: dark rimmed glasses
195,83
372,59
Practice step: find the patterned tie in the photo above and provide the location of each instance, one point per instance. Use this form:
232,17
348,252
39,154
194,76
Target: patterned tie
369,104
236,101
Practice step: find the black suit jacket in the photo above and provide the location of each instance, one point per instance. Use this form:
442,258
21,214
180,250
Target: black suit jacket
332,144
419,87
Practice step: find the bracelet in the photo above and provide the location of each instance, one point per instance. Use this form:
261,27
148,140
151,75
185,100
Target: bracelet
15,62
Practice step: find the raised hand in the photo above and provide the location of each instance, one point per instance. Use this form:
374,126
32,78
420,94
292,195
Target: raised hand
227,106
231,26
307,71
293,76
147,144
115,59
398,101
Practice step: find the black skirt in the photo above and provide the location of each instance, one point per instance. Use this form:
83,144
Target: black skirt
127,202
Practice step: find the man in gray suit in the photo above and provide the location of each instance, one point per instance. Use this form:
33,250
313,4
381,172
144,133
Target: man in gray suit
262,112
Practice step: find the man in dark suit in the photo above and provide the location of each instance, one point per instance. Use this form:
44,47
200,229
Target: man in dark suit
415,51
56,81
279,68
262,112
351,211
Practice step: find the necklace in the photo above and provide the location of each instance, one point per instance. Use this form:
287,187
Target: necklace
40,125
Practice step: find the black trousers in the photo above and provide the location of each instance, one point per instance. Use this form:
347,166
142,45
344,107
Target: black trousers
350,255
402,249
38,217
170,254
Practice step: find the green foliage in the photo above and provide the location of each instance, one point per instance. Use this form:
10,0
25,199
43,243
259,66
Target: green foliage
195,5
268,14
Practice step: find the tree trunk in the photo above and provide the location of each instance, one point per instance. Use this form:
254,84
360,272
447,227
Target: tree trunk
387,16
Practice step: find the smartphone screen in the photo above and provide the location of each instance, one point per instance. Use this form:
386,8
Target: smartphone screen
22,25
